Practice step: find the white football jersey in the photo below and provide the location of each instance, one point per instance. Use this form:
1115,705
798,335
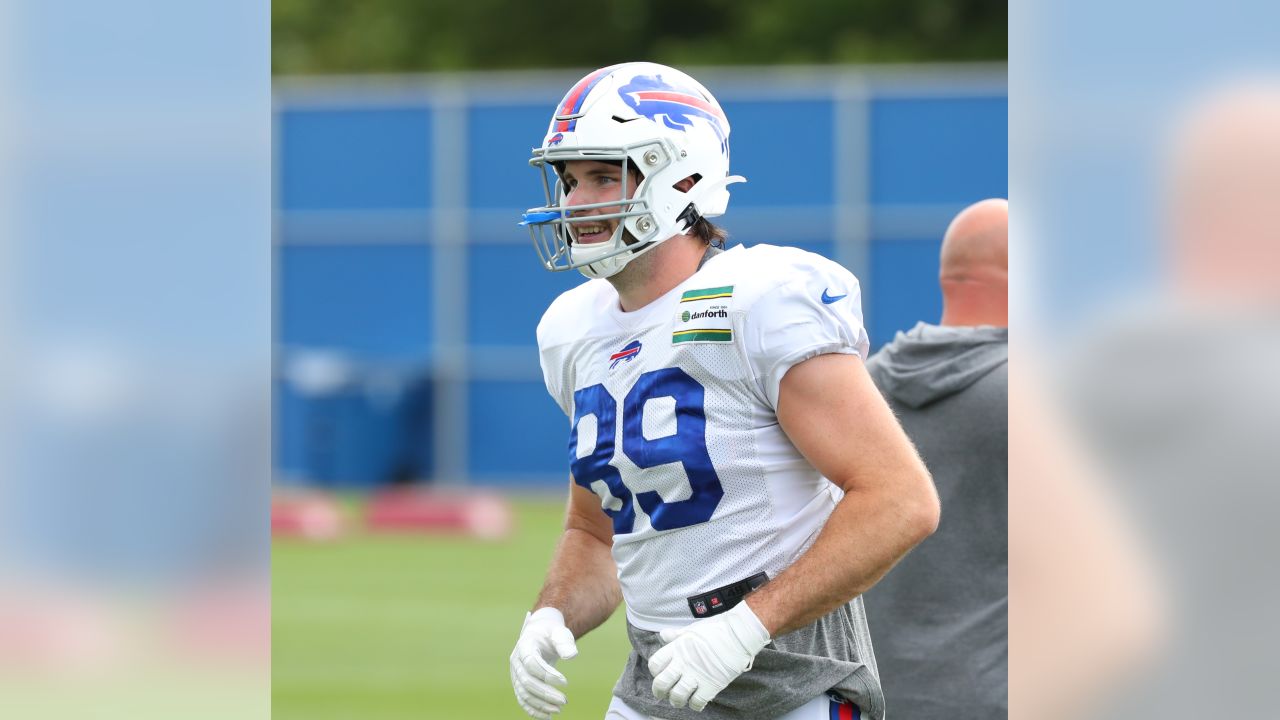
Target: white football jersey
673,423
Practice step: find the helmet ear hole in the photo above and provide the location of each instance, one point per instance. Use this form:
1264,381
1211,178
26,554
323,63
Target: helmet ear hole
687,184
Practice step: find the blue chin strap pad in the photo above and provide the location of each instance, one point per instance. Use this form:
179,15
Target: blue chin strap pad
538,218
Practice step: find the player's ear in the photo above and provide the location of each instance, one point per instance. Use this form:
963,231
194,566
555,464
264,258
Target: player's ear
687,183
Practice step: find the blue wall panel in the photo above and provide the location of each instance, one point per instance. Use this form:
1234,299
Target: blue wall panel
355,159
903,289
508,290
819,232
370,300
784,149
939,150
516,429
501,139
825,249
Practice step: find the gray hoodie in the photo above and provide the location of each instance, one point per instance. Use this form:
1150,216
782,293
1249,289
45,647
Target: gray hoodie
939,619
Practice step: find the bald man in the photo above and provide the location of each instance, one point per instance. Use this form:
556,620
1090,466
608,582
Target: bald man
1222,217
1176,395
940,617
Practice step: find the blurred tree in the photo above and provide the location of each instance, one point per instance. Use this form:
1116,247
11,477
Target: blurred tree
367,36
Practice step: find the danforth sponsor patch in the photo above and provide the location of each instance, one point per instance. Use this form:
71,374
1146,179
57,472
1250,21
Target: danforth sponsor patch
703,316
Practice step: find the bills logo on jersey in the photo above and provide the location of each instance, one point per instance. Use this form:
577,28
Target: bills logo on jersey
626,354
700,607
651,96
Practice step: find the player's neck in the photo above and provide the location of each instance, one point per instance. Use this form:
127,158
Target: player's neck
973,312
657,272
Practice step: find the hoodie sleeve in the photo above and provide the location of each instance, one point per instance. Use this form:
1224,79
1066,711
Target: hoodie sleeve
816,312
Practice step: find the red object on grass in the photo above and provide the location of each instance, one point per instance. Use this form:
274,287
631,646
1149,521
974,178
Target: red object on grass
311,517
476,513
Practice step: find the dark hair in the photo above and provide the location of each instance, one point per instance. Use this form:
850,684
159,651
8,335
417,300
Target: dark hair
709,233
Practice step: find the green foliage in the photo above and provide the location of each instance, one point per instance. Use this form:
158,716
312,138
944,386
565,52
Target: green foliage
365,36
391,627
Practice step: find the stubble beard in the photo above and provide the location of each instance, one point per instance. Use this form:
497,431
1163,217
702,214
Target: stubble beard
639,270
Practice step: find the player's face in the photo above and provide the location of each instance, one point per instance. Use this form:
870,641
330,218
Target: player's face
588,181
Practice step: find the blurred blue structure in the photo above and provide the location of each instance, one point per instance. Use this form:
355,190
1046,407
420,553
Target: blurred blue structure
399,265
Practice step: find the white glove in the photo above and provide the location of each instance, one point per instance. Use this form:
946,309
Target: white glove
544,639
701,659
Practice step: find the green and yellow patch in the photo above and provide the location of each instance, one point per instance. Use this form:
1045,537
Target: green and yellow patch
707,294
702,335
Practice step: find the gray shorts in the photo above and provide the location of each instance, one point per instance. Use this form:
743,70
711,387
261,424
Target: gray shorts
820,708
833,654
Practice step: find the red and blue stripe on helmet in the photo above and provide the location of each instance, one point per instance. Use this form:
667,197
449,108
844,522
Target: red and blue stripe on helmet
571,105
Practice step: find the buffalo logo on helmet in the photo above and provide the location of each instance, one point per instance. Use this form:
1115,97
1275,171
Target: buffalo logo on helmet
555,139
651,96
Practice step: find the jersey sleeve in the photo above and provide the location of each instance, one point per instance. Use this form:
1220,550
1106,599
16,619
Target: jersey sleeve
553,365
817,312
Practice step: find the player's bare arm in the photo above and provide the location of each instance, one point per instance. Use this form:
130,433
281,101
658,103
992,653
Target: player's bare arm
836,418
581,592
582,582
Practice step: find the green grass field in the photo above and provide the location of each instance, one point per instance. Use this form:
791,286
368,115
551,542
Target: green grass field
400,626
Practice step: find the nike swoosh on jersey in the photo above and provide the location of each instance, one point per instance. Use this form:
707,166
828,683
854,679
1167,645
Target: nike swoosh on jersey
828,299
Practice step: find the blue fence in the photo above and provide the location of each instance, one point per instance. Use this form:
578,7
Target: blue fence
407,297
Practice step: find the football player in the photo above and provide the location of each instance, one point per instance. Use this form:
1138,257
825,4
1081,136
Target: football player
735,475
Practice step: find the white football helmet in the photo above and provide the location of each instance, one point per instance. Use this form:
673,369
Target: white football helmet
645,116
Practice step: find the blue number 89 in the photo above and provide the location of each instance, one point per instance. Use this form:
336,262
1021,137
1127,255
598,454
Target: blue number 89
688,446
